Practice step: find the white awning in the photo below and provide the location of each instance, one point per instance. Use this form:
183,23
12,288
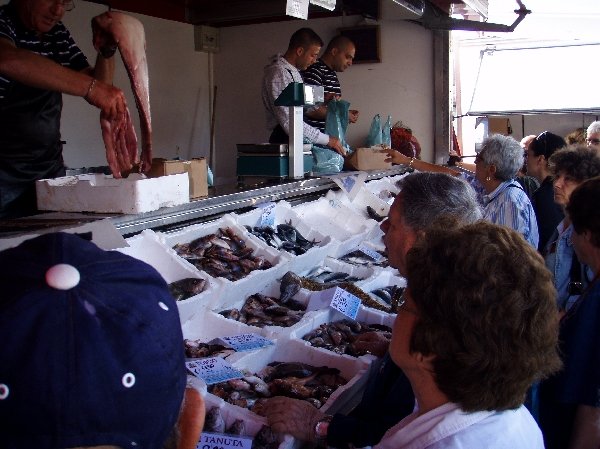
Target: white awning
553,79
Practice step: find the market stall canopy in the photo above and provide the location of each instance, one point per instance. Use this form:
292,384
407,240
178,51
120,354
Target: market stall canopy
537,80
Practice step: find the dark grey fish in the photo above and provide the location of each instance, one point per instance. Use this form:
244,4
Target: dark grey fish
214,421
238,427
291,284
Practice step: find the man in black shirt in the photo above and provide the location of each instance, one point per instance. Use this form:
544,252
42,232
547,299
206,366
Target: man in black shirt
338,56
39,61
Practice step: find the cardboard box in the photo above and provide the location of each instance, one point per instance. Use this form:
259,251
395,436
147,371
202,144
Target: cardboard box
499,125
195,168
367,159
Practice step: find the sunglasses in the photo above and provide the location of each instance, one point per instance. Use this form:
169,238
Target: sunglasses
592,141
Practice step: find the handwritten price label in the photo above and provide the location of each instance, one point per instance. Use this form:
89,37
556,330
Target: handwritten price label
211,440
267,217
348,183
213,370
345,303
246,342
297,8
327,4
370,253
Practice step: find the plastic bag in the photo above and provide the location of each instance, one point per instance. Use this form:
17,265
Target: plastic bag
404,141
209,176
336,121
325,160
386,137
374,137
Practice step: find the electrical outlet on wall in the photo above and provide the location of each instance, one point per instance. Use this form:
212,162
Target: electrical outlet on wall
206,39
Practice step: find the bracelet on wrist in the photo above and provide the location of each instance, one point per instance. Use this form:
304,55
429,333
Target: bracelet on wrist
412,161
90,88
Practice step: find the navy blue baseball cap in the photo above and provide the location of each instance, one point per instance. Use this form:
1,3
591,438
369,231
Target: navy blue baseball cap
91,348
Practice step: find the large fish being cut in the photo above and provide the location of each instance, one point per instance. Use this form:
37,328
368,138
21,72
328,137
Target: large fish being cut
127,33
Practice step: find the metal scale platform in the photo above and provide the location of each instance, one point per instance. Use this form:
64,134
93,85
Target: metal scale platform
291,160
268,160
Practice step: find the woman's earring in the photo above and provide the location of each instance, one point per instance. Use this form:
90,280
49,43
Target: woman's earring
488,178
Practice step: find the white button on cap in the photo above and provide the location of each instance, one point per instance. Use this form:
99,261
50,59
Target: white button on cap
62,276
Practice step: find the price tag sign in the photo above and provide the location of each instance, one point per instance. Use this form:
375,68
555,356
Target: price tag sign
247,342
345,303
297,8
213,370
370,253
211,440
267,217
327,4
337,298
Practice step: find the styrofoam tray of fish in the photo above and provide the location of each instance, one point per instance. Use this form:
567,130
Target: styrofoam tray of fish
385,280
190,295
224,418
333,270
225,252
346,331
351,369
103,193
213,323
394,179
288,232
365,204
384,189
333,218
364,253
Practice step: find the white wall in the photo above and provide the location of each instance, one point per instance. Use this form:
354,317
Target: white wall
178,92
401,85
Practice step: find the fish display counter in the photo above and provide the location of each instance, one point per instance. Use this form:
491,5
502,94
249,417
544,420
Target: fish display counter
275,296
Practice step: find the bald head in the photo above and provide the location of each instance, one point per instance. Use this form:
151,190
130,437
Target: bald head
339,53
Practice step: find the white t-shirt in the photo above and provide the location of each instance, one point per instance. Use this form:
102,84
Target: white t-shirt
449,427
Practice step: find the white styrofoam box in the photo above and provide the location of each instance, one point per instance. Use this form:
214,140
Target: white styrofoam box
333,218
252,422
148,248
383,278
103,193
396,178
365,315
360,272
352,369
359,204
283,213
384,188
207,325
211,324
257,278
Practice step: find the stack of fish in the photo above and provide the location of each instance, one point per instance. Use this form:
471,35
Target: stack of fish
196,349
339,336
214,422
291,283
260,310
358,257
222,254
291,379
283,237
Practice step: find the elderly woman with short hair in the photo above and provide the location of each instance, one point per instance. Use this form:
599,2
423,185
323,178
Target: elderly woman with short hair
569,167
478,326
496,166
569,401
